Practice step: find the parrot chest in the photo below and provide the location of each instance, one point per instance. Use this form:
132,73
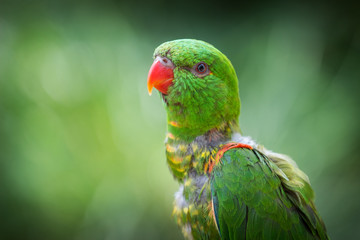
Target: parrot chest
193,208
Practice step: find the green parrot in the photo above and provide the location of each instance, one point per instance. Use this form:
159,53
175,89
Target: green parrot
230,187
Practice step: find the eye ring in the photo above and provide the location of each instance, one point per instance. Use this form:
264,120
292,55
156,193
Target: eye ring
201,68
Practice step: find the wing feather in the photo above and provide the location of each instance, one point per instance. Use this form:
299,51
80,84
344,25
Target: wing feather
251,202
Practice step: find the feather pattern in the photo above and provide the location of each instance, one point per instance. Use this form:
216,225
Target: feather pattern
280,199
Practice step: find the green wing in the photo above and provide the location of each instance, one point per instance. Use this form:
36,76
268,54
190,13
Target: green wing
250,201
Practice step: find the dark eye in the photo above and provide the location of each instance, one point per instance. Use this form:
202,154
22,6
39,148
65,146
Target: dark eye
201,68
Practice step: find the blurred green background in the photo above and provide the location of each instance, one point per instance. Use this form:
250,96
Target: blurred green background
81,142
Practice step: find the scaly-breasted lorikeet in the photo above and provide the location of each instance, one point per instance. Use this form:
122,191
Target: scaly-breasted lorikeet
231,187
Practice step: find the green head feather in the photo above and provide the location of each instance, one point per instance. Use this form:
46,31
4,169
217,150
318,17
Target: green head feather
197,103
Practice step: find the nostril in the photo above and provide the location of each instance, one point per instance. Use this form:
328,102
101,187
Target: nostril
166,62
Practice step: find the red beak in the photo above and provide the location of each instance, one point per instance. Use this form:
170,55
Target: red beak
161,75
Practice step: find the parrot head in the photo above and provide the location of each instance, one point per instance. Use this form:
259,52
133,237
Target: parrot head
198,85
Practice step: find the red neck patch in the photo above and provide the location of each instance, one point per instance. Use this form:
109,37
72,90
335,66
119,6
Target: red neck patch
212,162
